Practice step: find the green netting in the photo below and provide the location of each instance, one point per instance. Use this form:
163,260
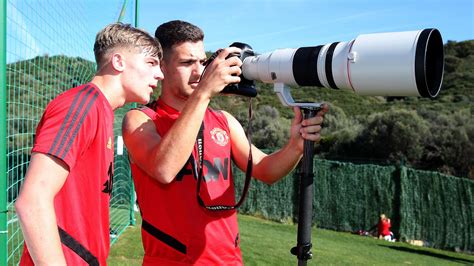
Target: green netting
438,209
428,206
273,202
349,197
49,49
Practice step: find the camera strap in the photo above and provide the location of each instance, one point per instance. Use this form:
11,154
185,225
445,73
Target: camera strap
199,171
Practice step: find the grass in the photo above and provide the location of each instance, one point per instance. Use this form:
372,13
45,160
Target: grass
269,243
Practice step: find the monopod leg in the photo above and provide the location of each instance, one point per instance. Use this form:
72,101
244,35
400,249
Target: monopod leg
305,214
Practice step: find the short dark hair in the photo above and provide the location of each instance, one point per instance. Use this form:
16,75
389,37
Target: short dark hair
176,32
120,35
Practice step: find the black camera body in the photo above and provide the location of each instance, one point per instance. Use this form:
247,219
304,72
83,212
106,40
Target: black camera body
245,87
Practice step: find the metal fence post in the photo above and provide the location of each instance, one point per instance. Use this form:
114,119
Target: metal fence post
133,220
3,135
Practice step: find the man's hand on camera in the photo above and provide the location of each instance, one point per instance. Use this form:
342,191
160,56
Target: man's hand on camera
221,71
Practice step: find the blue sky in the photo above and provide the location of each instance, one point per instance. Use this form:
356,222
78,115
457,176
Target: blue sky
38,27
267,25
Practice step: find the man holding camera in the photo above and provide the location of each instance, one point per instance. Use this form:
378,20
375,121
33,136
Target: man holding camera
177,140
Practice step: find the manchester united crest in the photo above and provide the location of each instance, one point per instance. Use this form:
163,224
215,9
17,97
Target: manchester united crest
219,136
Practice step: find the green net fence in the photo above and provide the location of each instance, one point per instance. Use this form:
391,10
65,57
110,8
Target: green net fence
47,48
427,206
438,209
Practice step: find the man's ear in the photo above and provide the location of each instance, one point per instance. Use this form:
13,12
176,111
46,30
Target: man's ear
118,62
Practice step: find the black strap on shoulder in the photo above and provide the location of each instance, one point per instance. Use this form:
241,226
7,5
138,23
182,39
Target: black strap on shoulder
199,172
77,247
163,237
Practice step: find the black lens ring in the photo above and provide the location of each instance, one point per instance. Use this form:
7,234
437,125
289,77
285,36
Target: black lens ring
429,63
328,65
305,66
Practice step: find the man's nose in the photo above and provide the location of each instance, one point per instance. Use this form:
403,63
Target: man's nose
159,74
198,68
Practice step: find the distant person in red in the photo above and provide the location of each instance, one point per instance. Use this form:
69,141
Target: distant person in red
384,228
63,206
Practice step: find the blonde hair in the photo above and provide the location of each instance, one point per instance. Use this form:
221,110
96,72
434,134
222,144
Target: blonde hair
118,35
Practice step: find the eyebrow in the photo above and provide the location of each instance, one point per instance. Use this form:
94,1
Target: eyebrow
192,58
154,58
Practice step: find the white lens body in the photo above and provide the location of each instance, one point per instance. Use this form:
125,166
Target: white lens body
273,67
379,64
382,64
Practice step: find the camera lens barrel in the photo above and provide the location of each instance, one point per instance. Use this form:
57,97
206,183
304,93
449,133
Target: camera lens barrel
380,64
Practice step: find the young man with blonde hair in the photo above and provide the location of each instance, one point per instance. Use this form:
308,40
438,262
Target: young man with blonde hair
63,206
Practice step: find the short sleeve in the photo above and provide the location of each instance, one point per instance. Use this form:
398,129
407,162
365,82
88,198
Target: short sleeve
68,126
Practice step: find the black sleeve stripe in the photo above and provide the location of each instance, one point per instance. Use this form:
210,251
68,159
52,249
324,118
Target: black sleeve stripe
63,125
73,124
74,134
69,122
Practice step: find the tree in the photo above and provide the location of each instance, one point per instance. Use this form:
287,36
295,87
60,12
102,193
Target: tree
449,147
393,135
269,130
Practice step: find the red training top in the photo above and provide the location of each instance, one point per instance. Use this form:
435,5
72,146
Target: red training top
176,230
77,127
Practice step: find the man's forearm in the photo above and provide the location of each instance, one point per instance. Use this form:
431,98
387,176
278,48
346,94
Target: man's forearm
40,230
274,166
176,146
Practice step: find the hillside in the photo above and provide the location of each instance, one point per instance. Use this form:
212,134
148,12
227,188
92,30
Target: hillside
427,134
